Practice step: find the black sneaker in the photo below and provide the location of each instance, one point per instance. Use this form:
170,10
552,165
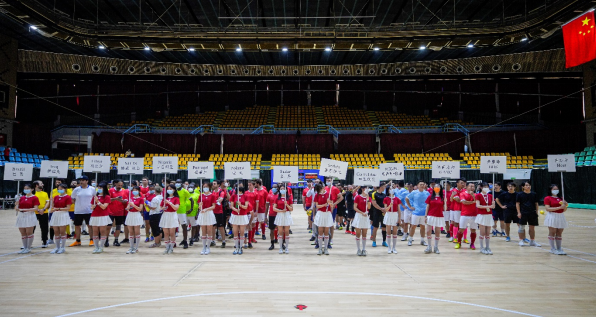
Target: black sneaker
116,243
212,243
291,231
264,238
329,246
107,244
85,233
448,235
272,247
184,244
275,241
312,239
400,233
125,241
192,241
250,245
223,245
443,232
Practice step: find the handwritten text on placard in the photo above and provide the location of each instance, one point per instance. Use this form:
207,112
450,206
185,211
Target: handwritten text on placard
493,164
237,170
200,170
391,171
561,163
54,169
96,164
165,164
333,168
128,165
445,169
18,172
285,174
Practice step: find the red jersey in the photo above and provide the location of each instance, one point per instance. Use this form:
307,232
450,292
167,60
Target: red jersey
243,201
144,190
360,202
396,203
281,203
449,202
138,202
218,194
430,190
484,201
28,202
98,211
334,193
454,204
173,200
554,202
62,201
116,207
271,199
233,202
435,205
262,199
251,197
307,200
321,200
208,200
468,210
149,198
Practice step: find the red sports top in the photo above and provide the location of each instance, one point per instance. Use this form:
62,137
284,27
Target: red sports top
321,200
454,204
484,201
262,198
97,211
360,202
468,210
116,207
251,197
138,202
435,205
449,202
173,200
62,201
554,202
28,202
271,198
307,200
208,200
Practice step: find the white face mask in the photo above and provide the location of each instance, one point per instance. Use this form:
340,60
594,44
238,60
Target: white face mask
555,191
486,190
205,189
191,190
170,191
227,185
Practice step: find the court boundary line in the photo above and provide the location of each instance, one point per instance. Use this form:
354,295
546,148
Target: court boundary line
189,273
300,293
26,256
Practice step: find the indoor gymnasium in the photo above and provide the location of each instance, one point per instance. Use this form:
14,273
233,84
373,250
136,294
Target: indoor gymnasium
297,158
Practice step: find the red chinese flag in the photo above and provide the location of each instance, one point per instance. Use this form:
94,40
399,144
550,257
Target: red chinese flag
579,36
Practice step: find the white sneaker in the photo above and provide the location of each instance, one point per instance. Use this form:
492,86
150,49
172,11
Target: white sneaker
203,251
533,243
553,251
326,251
50,241
171,250
208,250
561,252
437,250
427,250
394,251
54,251
422,242
26,251
281,251
483,251
129,251
521,243
287,251
60,251
359,252
489,251
404,238
389,250
409,243
451,239
165,251
320,251
364,253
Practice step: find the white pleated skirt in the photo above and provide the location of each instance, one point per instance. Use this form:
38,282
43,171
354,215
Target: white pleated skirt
169,220
60,218
390,219
284,219
360,221
324,219
555,220
239,220
485,220
206,218
134,219
435,221
100,221
26,219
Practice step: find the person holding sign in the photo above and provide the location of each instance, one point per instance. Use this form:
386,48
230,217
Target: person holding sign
324,218
100,217
239,219
361,222
169,219
206,218
527,212
391,219
416,201
26,220
434,217
485,205
60,218
467,200
134,220
555,219
283,219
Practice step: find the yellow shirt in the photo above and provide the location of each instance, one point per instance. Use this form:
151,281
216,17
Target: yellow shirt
43,198
68,192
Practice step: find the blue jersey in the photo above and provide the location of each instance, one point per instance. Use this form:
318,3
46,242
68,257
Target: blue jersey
401,194
418,201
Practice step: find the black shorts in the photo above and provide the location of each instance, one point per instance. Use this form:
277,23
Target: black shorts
272,223
377,218
154,223
498,215
351,213
228,212
78,219
118,220
529,219
221,220
341,212
510,216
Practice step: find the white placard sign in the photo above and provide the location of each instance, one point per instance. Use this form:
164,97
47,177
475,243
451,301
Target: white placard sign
96,164
237,170
493,164
445,169
165,164
18,172
561,163
517,174
367,176
54,169
285,174
200,170
333,168
129,165
391,171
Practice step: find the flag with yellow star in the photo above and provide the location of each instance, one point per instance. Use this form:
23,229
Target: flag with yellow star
579,36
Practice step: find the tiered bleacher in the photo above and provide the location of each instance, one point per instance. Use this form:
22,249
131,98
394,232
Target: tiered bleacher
78,161
473,160
219,160
404,120
304,161
338,117
420,160
252,117
16,157
189,120
183,159
295,117
587,157
360,160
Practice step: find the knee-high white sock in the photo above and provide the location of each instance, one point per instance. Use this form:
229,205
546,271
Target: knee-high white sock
481,238
326,241
487,240
363,240
559,240
204,240
96,241
30,241
102,242
429,239
320,241
137,240
281,244
63,241
25,241
437,242
131,241
358,243
394,238
287,241
551,242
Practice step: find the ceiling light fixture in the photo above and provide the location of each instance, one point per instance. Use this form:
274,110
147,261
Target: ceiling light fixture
285,49
239,49
191,49
376,49
147,48
101,47
422,47
33,27
470,45
327,49
524,39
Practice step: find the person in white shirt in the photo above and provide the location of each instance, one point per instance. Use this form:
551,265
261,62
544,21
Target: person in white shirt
82,197
155,211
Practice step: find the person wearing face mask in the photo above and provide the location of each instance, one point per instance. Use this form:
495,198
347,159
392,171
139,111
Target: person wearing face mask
193,213
468,215
391,219
307,203
169,219
134,220
434,217
526,204
416,200
239,219
485,205
53,194
555,219
42,213
153,202
283,218
119,202
336,198
323,204
498,211
60,218
26,207
82,197
100,217
206,218
149,195
184,196
456,206
271,199
406,213
252,197
361,222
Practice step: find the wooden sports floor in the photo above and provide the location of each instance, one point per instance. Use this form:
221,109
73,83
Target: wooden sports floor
514,281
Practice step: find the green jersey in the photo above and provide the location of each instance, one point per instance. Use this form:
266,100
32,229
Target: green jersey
184,202
195,207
